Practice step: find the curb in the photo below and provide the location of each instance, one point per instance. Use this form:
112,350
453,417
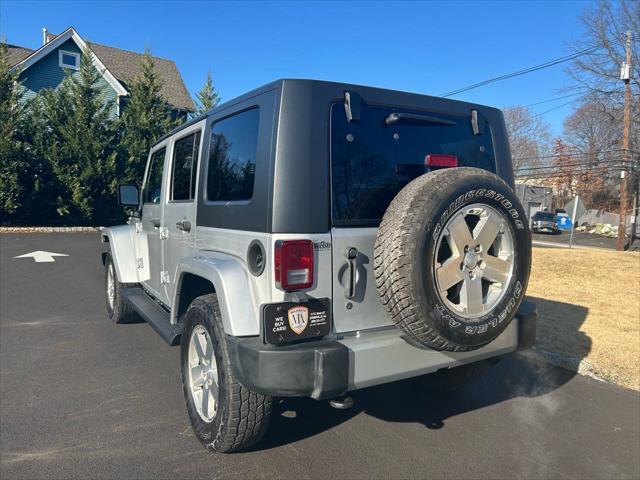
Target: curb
50,229
542,243
573,364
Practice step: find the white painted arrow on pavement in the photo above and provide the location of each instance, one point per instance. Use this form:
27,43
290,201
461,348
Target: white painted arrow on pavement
40,256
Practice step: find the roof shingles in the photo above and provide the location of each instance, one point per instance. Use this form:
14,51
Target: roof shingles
17,54
125,66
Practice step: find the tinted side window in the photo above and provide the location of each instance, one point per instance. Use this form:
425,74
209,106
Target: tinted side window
153,187
232,157
185,164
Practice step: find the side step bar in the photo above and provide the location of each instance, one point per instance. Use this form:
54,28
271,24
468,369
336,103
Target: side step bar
153,314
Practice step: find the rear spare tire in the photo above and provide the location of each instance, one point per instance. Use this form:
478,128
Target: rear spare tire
452,258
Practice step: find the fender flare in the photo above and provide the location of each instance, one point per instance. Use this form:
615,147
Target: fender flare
232,286
120,240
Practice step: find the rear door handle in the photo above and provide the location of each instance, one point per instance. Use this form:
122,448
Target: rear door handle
155,222
184,225
351,254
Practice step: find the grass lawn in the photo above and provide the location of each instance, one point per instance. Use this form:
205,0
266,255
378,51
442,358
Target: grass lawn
589,309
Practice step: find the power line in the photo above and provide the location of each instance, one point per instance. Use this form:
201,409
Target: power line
554,108
593,165
576,171
524,71
571,154
572,169
553,99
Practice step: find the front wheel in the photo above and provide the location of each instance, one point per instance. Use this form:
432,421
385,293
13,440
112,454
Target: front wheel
119,311
225,416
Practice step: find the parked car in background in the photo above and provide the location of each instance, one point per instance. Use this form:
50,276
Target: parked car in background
544,222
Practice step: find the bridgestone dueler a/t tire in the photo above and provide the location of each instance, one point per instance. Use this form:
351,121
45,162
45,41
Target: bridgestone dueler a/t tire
243,416
121,312
404,255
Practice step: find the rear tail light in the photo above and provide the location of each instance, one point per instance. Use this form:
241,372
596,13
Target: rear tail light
441,160
293,264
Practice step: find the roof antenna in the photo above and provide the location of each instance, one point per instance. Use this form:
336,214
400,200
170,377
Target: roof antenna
45,33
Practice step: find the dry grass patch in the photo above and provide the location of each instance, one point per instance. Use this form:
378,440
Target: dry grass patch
589,309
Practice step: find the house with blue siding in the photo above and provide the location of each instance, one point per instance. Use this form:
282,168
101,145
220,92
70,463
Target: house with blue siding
59,55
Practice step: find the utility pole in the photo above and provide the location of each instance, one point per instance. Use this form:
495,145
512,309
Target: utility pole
625,75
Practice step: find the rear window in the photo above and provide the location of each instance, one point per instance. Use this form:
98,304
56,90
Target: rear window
371,161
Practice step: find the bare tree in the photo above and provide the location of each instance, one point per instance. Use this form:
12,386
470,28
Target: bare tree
598,74
529,137
593,132
593,135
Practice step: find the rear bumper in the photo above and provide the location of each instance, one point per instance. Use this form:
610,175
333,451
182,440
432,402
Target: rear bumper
328,368
317,369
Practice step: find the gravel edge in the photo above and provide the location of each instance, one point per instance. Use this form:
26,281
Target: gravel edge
50,229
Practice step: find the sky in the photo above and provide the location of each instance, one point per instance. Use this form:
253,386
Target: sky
424,47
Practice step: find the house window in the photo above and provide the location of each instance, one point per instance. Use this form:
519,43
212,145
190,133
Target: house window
69,59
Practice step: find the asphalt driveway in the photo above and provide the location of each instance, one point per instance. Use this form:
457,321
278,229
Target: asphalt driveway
81,397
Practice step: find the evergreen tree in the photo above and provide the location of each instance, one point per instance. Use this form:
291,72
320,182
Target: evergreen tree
14,150
207,97
76,135
145,118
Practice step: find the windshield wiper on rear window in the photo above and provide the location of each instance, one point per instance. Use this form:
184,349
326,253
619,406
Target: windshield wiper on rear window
415,119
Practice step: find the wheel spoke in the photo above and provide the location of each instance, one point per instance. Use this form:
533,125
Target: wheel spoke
213,390
449,273
196,376
459,235
205,401
487,230
471,295
496,269
208,349
200,349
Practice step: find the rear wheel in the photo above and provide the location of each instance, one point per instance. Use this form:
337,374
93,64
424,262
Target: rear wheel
225,416
119,311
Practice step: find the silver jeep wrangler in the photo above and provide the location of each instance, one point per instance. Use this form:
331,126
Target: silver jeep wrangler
313,238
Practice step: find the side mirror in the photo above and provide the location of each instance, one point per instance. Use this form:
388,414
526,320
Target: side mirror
128,196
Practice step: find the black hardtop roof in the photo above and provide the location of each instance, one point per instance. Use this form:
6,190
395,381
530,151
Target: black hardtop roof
278,84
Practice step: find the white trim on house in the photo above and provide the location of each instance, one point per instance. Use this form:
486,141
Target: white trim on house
75,55
70,33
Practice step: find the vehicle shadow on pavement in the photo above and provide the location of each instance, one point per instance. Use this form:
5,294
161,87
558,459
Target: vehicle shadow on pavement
414,400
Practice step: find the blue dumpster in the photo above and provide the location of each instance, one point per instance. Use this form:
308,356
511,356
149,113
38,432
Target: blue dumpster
563,222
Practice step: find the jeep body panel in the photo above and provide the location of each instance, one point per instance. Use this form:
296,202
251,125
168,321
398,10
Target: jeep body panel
149,229
363,310
228,276
121,242
385,355
179,242
221,252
